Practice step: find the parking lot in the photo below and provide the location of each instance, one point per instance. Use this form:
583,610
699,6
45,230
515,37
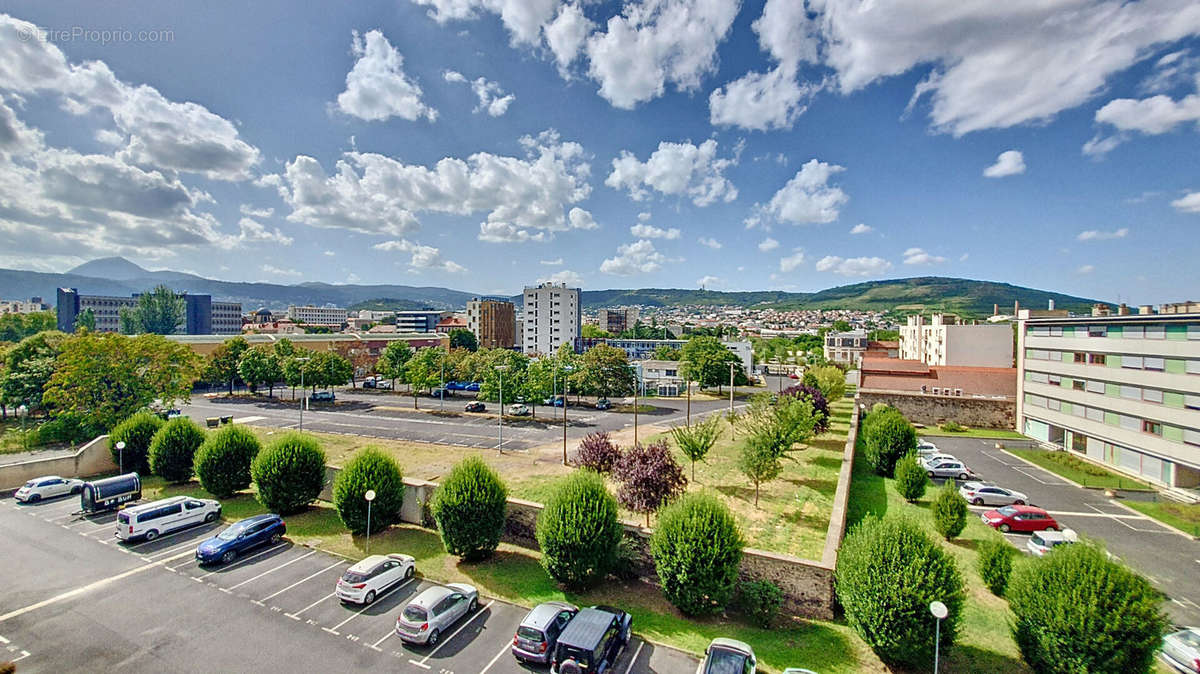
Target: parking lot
75,594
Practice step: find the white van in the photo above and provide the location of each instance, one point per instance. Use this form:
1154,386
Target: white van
152,520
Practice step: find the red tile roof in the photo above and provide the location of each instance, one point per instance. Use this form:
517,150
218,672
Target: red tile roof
986,381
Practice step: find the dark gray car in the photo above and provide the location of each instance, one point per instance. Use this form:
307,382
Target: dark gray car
539,630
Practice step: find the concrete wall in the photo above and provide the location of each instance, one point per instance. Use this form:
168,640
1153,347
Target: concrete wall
90,459
929,409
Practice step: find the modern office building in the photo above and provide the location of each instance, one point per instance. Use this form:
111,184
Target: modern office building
425,320
552,317
493,322
944,341
202,315
616,321
1121,390
313,315
22,307
846,347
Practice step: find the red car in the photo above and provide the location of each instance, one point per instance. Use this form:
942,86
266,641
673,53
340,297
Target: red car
1019,518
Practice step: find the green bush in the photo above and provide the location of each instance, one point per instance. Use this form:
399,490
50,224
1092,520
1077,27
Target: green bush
289,473
911,478
759,600
1077,611
367,470
888,436
578,532
136,432
697,550
953,427
469,508
222,462
888,572
995,564
173,449
949,511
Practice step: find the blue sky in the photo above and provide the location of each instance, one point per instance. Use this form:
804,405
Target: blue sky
488,144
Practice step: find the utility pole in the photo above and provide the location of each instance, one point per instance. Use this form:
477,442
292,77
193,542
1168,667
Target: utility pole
731,388
500,418
303,394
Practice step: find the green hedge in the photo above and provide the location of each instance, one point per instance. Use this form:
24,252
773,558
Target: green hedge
578,532
469,508
289,473
887,436
222,462
995,564
369,469
173,449
911,478
759,600
136,432
697,550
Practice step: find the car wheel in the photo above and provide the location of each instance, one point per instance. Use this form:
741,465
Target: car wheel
977,501
211,517
76,490
963,476
151,535
473,605
433,637
229,556
930,472
1004,528
1018,502
370,598
275,537
408,573
34,498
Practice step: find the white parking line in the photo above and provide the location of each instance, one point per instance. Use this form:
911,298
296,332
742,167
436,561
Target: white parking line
385,638
174,548
296,615
275,594
634,658
507,647
308,554
240,562
453,634
191,529
334,629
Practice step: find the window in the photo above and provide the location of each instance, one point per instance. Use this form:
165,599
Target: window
1152,427
1079,410
1151,363
1191,437
1094,414
1193,332
1131,362
1041,331
1097,331
1094,386
1054,380
1096,359
1078,384
1155,332
1130,423
1056,331
1039,377
1193,367
1131,393
1133,332
1152,395
1192,401
1053,404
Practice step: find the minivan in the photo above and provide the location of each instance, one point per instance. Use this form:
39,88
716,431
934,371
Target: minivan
154,519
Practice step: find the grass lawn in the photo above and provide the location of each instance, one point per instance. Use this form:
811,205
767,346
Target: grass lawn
998,433
1182,516
1078,470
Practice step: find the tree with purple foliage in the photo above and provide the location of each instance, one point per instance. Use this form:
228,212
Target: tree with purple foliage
650,477
598,452
819,403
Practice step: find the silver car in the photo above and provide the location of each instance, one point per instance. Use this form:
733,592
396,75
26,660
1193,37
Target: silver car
49,486
978,493
1181,650
434,611
539,629
949,468
728,656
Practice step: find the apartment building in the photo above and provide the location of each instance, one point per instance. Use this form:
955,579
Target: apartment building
616,321
942,340
202,315
22,307
313,315
493,322
1121,390
424,320
552,317
846,347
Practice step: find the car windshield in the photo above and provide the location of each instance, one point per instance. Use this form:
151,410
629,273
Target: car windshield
352,577
1007,511
232,532
31,484
1190,638
414,614
530,634
721,661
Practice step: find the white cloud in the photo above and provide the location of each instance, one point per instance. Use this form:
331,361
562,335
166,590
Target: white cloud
791,262
919,256
710,242
1189,203
963,257
808,198
707,281
1086,269
578,218
1099,235
565,276
523,18
643,216
557,262
768,244
377,87
1152,116
506,232
251,211
272,270
330,253
652,232
423,257
638,257
252,231
1101,145
855,266
1171,70
490,94
675,169
566,36
861,228
1009,163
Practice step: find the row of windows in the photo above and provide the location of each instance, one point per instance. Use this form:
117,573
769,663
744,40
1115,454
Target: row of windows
1126,391
1121,331
1125,421
1126,361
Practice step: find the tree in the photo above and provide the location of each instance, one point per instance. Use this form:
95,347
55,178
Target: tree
696,441
173,449
829,378
424,370
369,469
393,360
285,348
289,473
136,432
650,478
697,551
841,326
882,335
777,427
995,564
159,312
887,436
578,532
949,511
461,338
590,331
911,479
514,375
260,366
15,327
358,356
819,402
223,362
30,365
326,368
888,572
1078,611
86,320
606,372
598,452
759,463
222,462
708,362
469,508
666,352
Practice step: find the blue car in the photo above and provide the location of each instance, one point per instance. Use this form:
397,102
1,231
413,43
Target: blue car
473,386
240,537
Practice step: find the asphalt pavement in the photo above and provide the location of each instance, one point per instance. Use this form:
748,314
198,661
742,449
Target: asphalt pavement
76,597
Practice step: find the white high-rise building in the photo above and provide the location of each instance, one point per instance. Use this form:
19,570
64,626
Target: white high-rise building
552,316
945,341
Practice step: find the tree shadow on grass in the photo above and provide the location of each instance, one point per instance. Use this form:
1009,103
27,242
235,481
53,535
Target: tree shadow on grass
973,659
824,487
737,492
868,493
826,462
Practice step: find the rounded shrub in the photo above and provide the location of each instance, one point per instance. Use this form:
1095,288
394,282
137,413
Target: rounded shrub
1078,611
949,511
995,564
469,508
911,479
367,470
173,449
222,462
578,531
759,600
289,473
888,572
697,549
888,436
598,452
136,432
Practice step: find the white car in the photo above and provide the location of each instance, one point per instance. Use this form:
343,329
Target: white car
370,578
151,520
925,446
978,493
937,458
50,486
952,469
1041,542
1181,649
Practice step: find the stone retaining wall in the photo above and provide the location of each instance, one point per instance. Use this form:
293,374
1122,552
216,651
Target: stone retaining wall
923,408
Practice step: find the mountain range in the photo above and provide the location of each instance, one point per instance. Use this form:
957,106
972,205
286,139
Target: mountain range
120,277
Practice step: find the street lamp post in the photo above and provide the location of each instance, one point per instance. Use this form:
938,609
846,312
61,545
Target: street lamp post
687,376
636,384
303,393
370,496
939,611
566,385
121,456
442,391
731,388
500,417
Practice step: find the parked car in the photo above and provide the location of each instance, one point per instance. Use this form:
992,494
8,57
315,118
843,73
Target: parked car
1181,650
978,493
472,386
49,486
1019,518
151,520
923,444
518,410
951,469
793,376
241,536
369,382
556,401
454,386
441,393
321,396
383,384
603,404
1042,542
592,641
538,632
475,406
938,457
728,656
364,582
435,610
